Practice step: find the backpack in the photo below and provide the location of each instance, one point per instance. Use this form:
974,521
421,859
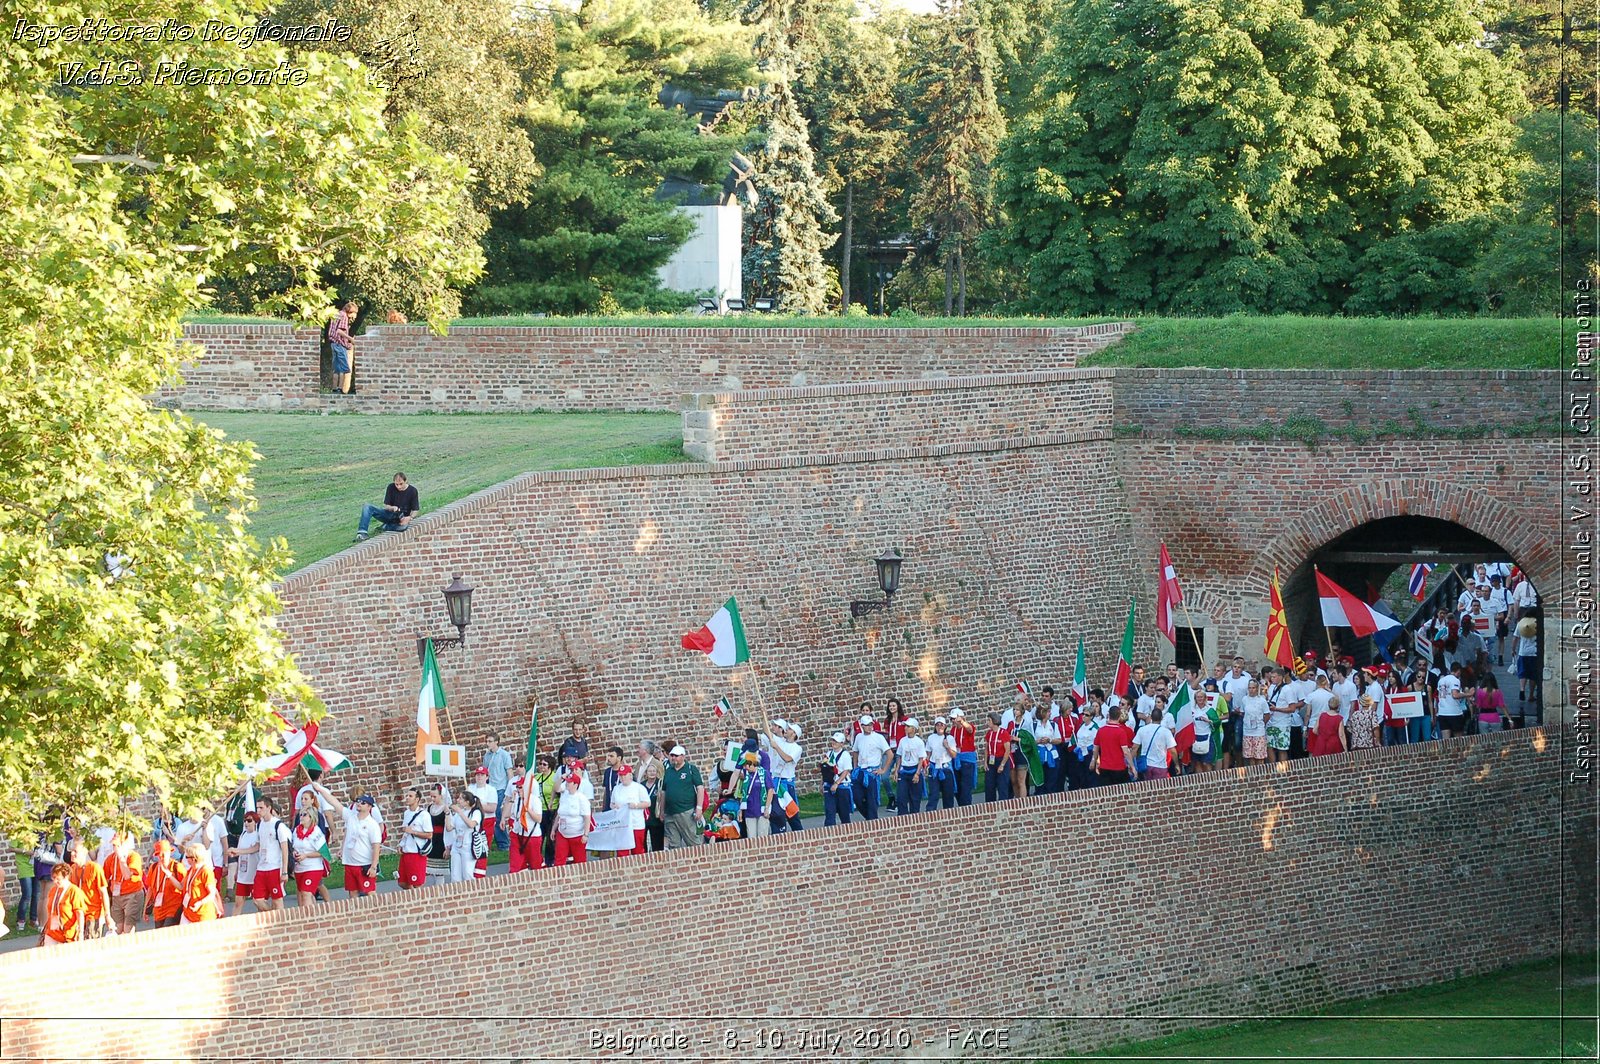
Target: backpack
480,841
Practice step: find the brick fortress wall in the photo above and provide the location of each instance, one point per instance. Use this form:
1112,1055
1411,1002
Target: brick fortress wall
405,369
1345,836
859,417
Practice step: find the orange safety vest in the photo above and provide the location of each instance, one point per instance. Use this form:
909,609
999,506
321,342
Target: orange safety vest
64,912
200,901
163,889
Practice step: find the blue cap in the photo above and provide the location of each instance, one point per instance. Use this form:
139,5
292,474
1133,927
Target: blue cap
367,799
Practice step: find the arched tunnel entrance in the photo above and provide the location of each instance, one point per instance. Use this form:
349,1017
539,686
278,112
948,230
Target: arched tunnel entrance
1373,561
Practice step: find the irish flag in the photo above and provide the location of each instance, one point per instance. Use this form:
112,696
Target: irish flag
430,700
1124,676
1080,677
722,637
1340,609
532,753
1182,712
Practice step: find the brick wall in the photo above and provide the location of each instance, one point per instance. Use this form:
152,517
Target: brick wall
1160,401
861,417
587,579
405,369
1383,853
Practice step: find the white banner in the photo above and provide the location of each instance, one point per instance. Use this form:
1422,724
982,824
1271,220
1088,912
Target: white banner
1405,704
611,831
440,759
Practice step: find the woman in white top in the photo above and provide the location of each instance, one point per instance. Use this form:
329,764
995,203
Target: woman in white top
1254,725
941,747
305,849
1154,741
631,795
837,793
909,756
572,822
458,839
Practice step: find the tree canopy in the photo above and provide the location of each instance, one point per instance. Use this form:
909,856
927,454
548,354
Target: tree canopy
137,649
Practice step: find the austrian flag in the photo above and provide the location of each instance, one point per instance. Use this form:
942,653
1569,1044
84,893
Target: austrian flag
722,637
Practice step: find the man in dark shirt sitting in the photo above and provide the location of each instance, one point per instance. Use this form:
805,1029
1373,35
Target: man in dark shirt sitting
400,505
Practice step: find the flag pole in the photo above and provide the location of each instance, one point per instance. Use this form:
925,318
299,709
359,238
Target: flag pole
1326,630
1201,654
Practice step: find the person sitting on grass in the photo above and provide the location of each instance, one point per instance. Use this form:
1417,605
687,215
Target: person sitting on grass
400,505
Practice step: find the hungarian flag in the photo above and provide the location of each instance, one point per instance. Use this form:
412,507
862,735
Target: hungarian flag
532,752
723,707
1124,675
1340,609
1024,689
1168,595
1419,581
721,638
430,700
1279,647
1182,712
1080,678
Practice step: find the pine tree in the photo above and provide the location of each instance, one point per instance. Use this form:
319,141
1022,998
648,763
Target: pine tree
788,233
956,143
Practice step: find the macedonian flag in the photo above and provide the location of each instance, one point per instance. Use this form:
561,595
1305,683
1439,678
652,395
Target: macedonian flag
1279,647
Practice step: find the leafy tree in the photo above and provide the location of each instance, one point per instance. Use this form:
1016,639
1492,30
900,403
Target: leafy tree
137,649
466,70
847,94
960,129
594,230
1202,156
788,229
1553,44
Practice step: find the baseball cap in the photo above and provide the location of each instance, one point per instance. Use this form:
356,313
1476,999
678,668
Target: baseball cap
367,799
625,770
910,722
779,723
939,720
799,733
678,751
837,736
483,770
866,718
957,712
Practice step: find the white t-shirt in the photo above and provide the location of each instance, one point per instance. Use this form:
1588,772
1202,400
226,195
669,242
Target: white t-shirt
1527,646
218,828
1237,688
246,872
418,819
273,832
572,814
940,749
487,797
1154,740
1374,691
1348,691
1143,706
1317,704
624,794
1281,716
307,851
1525,596
1086,733
1202,723
1464,602
911,751
1498,601
1255,710
1449,697
842,763
362,838
780,749
870,749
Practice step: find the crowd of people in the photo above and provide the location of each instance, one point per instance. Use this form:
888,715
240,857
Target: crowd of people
881,759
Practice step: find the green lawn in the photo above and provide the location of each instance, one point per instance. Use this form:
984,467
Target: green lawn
1288,342
316,471
1508,1015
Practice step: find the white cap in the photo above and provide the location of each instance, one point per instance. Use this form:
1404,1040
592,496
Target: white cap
678,751
779,723
938,720
837,736
957,712
798,734
910,722
866,718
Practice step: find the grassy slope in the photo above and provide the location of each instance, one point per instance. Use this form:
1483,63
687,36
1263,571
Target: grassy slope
1242,341
1476,1017
316,471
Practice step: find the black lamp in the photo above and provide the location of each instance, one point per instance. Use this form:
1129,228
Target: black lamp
458,604
888,566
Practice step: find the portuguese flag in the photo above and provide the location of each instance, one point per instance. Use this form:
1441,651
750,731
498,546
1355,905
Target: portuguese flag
1124,676
721,638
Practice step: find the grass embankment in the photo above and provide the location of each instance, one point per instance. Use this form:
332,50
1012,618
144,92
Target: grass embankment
317,471
1513,1014
1286,342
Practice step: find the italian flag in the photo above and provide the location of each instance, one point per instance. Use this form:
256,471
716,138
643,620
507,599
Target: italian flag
723,707
299,748
1080,677
1024,689
532,753
1124,676
1182,712
721,638
430,700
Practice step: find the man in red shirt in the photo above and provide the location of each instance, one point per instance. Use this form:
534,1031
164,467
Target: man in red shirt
966,737
1113,749
997,767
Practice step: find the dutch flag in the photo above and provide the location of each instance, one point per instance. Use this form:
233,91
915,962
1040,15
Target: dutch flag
1419,580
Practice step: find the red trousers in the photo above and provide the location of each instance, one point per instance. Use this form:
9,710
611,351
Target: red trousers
527,851
577,849
638,843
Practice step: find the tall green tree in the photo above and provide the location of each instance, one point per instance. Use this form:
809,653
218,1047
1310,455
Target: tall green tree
959,130
466,72
788,232
1553,44
1194,155
137,646
594,230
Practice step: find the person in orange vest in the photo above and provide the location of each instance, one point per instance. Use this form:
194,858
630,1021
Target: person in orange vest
163,886
90,878
125,881
65,909
201,902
